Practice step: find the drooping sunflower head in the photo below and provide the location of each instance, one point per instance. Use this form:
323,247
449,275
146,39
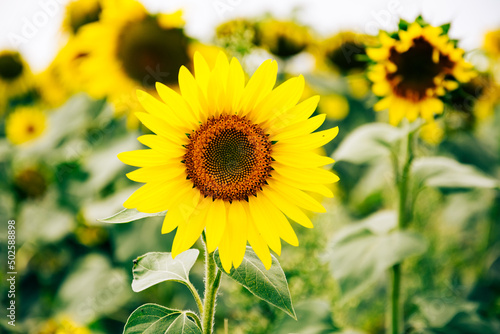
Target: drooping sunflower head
136,50
16,78
413,69
492,44
80,13
344,52
283,38
230,158
25,124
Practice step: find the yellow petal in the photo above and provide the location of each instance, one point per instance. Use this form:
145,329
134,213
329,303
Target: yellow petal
201,71
307,142
308,175
216,224
264,223
258,244
296,196
292,211
238,233
161,128
157,173
161,144
300,128
143,158
260,84
181,210
193,94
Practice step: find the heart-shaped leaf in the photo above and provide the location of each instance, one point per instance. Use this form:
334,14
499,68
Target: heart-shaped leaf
129,215
362,252
154,319
156,267
269,285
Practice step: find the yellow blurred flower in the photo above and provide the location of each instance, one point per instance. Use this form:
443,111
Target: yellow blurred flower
134,49
432,132
80,13
16,78
283,38
492,43
334,106
24,125
64,325
64,76
247,163
413,69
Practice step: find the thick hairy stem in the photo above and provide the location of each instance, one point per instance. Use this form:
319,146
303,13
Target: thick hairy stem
212,282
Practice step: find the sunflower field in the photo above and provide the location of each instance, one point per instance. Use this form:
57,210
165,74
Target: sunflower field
232,167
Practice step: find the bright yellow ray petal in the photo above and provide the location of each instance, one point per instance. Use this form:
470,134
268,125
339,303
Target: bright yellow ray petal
162,128
299,129
216,224
260,84
201,71
301,159
193,94
283,227
161,144
143,158
296,196
309,175
181,210
307,142
258,244
264,223
235,85
226,258
290,210
311,187
157,173
178,105
238,233
298,113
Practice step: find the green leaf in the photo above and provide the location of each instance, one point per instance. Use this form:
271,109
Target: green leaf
360,254
403,24
444,172
368,143
445,27
155,267
315,317
129,215
269,285
153,318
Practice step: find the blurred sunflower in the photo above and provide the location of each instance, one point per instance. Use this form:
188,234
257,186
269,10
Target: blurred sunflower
134,50
16,78
237,35
492,43
30,183
64,76
80,13
413,69
474,100
283,38
65,325
432,132
24,125
334,106
231,159
344,51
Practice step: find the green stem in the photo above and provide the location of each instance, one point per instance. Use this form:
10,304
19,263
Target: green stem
402,183
196,296
195,317
212,282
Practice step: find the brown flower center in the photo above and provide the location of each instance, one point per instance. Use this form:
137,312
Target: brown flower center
345,57
228,158
150,53
417,69
11,66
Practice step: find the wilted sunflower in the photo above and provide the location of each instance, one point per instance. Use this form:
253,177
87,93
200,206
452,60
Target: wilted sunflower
16,78
24,125
283,38
492,43
232,159
82,12
134,49
413,69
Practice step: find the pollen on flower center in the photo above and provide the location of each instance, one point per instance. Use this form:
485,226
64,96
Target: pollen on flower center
228,158
417,68
10,67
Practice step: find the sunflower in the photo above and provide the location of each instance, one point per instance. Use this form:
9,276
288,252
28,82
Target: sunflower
283,38
232,159
344,52
134,49
432,133
492,44
82,12
474,100
16,78
30,183
236,35
413,69
24,125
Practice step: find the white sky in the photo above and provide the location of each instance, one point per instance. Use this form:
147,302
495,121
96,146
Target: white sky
470,19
